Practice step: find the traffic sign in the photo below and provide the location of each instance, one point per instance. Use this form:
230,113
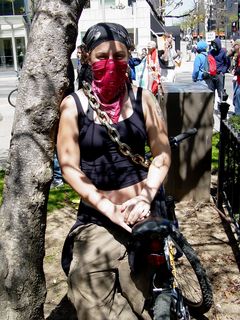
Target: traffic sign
210,36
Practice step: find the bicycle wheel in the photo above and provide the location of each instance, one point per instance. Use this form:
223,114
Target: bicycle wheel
190,276
162,307
12,97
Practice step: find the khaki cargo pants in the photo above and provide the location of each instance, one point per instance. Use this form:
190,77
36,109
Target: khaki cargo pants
101,286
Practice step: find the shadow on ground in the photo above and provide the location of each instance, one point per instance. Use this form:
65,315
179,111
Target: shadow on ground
63,311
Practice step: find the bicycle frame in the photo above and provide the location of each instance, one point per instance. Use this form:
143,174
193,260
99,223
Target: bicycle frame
158,253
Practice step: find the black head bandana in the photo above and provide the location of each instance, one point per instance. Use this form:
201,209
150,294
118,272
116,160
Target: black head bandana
102,32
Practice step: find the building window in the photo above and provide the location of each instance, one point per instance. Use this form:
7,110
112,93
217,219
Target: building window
6,54
87,4
12,7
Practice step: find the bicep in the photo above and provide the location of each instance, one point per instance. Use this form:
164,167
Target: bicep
156,127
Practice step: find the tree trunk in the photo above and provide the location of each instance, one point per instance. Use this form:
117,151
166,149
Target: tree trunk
43,83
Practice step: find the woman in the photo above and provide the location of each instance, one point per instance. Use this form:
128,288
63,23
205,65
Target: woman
115,192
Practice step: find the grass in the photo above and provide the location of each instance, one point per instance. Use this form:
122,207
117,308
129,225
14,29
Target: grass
235,122
215,151
58,198
61,197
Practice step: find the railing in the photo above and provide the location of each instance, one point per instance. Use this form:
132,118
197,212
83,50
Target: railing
228,190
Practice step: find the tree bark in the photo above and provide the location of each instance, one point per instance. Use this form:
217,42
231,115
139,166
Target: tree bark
44,81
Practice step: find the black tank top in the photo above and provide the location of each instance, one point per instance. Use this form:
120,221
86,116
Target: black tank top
101,161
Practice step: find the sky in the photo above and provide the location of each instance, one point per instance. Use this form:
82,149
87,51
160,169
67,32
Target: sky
187,5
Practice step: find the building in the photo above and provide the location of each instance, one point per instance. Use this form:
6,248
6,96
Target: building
135,15
13,34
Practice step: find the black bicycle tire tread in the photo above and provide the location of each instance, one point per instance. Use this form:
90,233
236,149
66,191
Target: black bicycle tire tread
9,97
162,308
200,273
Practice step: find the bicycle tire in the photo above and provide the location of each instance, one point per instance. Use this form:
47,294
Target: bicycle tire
12,97
191,277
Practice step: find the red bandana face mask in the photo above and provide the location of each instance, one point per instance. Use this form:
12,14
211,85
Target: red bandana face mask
109,78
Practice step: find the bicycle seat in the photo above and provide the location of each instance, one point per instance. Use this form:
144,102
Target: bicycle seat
152,225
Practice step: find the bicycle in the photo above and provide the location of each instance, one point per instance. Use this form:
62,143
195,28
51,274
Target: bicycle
12,96
179,286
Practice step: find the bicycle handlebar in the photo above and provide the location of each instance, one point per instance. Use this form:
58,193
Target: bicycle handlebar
175,141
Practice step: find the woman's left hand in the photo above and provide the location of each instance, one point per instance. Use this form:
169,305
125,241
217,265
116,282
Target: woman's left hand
136,209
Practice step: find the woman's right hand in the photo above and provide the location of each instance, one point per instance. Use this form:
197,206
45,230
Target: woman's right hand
117,217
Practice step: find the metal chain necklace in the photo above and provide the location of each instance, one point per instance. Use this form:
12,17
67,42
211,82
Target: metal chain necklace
112,132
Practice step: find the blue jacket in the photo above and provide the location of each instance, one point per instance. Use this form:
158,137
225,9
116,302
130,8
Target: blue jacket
198,66
133,62
222,61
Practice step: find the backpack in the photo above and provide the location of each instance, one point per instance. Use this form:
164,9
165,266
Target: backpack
210,67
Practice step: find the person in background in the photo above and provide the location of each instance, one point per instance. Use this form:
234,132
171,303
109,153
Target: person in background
57,173
236,72
144,53
199,64
153,67
85,72
178,59
79,54
189,51
223,64
115,192
167,60
194,48
134,61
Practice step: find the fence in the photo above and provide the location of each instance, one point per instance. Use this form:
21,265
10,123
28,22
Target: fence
228,191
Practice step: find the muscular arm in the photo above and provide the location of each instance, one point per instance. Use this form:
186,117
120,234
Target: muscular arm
159,145
138,207
69,158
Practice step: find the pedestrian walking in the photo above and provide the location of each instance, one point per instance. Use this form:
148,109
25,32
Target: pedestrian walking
189,51
148,71
222,63
236,72
200,63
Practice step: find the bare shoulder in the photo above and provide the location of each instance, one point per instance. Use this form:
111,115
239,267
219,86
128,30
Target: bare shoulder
150,104
69,103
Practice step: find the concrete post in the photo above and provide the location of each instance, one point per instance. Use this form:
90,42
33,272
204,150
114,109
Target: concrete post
185,106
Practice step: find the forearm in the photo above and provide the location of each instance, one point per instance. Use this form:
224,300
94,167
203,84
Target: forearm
157,173
86,190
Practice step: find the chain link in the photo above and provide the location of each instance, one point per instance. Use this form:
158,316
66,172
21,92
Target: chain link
112,132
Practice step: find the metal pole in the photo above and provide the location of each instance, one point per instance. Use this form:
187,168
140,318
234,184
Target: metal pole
103,10
223,107
134,24
14,49
13,9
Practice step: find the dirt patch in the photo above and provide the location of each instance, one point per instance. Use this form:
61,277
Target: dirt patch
202,226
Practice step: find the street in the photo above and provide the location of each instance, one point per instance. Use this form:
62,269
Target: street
8,82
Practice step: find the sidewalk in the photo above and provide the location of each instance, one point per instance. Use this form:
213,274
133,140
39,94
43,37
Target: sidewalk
8,81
